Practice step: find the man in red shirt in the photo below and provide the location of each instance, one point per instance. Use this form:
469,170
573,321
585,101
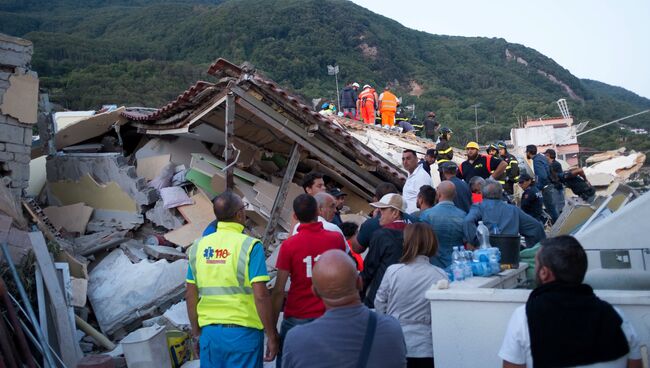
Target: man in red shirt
296,260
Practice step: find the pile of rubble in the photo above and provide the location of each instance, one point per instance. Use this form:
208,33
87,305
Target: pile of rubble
608,169
120,194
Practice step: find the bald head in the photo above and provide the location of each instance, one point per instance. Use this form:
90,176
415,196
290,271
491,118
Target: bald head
446,191
335,279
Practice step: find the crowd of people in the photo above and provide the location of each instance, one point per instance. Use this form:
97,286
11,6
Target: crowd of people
353,296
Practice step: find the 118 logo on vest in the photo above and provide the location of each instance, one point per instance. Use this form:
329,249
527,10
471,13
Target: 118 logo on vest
215,256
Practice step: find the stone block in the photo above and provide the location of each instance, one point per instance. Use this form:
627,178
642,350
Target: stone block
2,146
22,158
5,76
19,184
18,148
11,133
6,156
13,58
28,137
19,171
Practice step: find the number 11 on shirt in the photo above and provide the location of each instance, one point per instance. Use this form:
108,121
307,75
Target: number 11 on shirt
308,261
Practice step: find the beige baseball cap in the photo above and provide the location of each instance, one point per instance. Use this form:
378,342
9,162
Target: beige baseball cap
391,200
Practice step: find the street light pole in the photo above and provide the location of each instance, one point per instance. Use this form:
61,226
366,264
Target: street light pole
476,119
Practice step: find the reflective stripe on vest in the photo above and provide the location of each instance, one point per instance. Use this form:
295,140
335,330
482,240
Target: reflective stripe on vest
388,102
367,96
241,272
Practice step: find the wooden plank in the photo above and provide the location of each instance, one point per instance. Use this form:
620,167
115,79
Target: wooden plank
150,167
64,329
278,204
230,148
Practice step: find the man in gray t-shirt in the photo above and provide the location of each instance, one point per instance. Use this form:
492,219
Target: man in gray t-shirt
336,339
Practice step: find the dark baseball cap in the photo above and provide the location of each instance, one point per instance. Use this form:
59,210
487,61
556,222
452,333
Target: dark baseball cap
523,177
336,192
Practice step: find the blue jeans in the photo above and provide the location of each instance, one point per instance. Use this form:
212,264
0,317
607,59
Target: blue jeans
229,347
288,324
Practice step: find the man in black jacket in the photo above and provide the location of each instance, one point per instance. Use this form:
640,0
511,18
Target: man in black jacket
564,324
385,246
348,101
431,126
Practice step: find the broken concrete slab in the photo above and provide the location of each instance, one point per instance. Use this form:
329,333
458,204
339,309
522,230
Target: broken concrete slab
179,148
198,215
101,241
102,220
88,128
150,167
604,156
20,100
177,316
134,249
99,196
123,294
72,218
164,178
164,252
164,217
37,176
105,169
173,197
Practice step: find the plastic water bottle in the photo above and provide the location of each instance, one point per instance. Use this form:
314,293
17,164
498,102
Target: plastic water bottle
483,234
457,265
467,263
494,260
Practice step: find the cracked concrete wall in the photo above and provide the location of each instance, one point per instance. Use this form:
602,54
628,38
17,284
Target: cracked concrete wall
103,168
16,135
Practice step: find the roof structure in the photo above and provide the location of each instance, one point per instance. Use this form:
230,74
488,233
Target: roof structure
268,116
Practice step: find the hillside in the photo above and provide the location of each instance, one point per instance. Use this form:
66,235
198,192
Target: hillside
146,52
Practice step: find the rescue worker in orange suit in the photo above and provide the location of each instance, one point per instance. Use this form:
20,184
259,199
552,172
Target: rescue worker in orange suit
387,107
367,104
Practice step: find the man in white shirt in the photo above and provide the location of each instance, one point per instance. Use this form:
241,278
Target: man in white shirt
416,179
563,323
326,212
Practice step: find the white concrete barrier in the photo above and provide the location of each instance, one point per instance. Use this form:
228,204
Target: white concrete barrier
468,325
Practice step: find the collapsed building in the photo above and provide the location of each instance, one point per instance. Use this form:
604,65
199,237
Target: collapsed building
124,192
118,195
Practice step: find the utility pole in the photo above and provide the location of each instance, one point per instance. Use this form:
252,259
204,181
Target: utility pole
475,106
334,70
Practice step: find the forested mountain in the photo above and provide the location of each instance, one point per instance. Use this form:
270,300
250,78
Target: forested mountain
145,52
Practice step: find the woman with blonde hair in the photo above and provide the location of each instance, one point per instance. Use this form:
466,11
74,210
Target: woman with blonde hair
401,293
